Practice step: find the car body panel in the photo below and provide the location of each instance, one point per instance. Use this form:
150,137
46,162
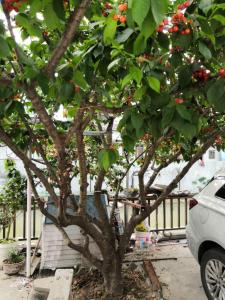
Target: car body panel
207,218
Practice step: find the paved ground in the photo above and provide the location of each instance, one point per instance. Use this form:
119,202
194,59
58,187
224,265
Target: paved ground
14,287
181,277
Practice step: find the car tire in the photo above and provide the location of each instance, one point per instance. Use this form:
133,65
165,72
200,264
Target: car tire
213,273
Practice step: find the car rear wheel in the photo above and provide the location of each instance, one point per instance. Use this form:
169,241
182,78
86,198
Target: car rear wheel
213,273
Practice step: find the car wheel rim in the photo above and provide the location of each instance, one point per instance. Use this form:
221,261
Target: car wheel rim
215,279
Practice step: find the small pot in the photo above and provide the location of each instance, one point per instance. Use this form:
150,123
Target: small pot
12,269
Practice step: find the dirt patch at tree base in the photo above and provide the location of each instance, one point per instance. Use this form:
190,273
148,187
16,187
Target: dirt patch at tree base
88,285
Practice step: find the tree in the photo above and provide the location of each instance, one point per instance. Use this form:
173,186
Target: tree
157,67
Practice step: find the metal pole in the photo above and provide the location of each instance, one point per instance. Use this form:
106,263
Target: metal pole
28,227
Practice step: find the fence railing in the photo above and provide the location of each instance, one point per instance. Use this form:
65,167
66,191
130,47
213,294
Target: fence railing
172,214
18,226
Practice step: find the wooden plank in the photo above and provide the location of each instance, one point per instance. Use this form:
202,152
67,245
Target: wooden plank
34,265
150,271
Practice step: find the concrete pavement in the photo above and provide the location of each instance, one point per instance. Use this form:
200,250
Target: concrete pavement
180,278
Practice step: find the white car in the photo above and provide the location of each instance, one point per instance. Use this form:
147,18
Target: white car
206,235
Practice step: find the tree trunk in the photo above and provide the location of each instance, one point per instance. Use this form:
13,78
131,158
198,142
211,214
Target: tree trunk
112,273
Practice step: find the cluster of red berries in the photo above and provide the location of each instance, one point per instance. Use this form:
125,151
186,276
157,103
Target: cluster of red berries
184,5
162,25
121,17
106,9
219,140
222,72
9,5
179,24
179,100
122,8
201,74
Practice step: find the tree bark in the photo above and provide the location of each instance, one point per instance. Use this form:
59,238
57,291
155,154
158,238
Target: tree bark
112,274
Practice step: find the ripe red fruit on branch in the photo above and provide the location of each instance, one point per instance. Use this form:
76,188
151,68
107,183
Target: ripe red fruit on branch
159,29
116,17
222,72
179,100
9,5
45,33
77,88
183,5
201,74
123,7
123,19
108,5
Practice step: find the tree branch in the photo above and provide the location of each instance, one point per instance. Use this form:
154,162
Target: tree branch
40,150
67,36
162,166
45,117
28,163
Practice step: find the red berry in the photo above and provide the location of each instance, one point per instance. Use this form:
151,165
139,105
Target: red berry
175,28
77,88
123,7
104,13
116,17
123,19
108,5
160,29
222,72
187,31
179,100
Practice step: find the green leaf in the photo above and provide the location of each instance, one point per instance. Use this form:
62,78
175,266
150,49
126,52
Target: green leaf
4,48
148,26
159,100
188,130
110,30
50,16
128,142
140,44
137,121
163,39
219,18
140,10
216,90
59,9
183,112
114,63
154,83
126,80
204,50
124,35
159,9
168,114
183,41
107,157
79,80
66,92
205,5
2,27
32,28
136,74
185,76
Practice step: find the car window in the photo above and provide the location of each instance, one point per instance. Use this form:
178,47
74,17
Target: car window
221,192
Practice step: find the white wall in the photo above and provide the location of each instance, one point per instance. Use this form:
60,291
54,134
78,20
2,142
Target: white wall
207,170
